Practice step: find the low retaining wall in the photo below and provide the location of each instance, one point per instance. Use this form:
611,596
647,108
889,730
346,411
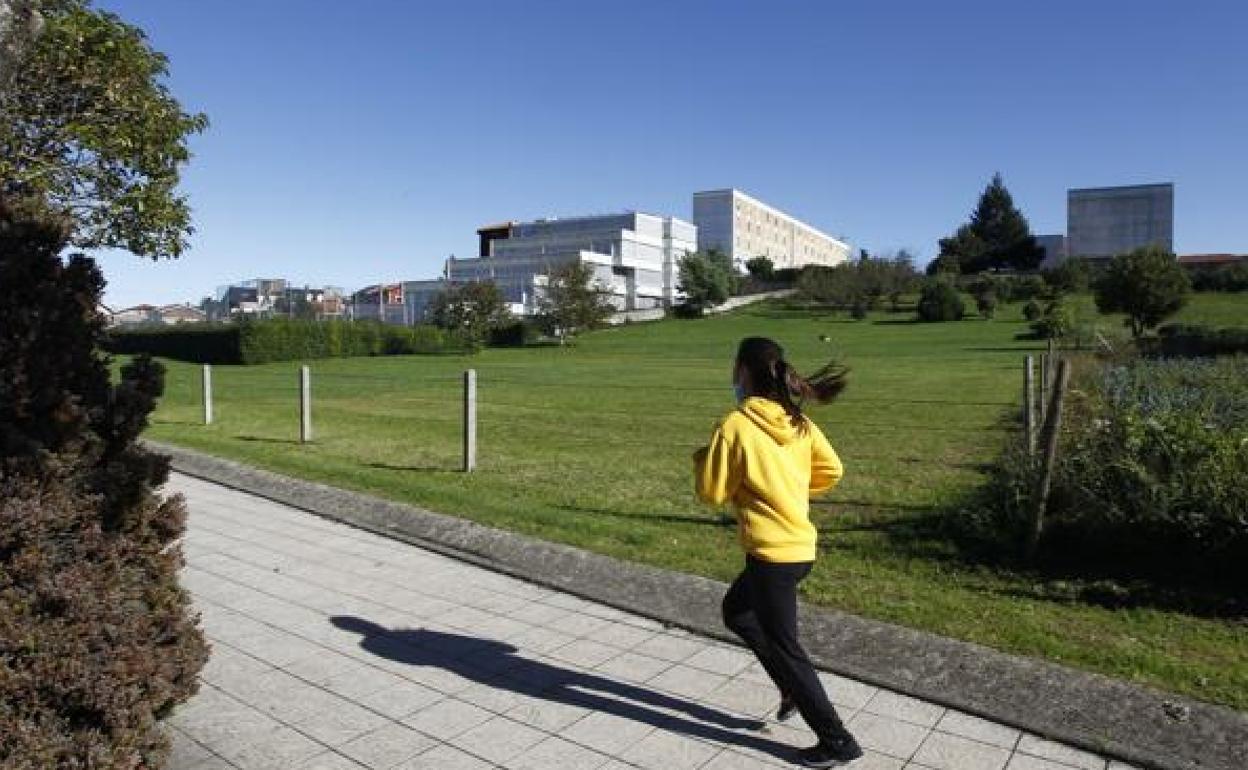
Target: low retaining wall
738,302
655,314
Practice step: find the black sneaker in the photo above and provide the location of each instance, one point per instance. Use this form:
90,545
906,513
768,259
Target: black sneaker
835,753
787,709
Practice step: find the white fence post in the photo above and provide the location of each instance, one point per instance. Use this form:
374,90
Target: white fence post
305,404
207,381
470,420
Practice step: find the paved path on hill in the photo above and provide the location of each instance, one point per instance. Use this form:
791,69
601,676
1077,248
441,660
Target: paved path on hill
336,648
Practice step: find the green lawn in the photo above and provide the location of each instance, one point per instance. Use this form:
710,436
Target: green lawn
590,445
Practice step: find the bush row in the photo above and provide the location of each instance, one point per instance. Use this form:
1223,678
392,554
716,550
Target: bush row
1186,341
1229,278
280,339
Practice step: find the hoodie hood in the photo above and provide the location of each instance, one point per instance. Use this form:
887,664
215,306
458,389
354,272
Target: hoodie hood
770,418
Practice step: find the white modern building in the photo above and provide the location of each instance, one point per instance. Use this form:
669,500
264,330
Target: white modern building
744,227
1102,222
634,257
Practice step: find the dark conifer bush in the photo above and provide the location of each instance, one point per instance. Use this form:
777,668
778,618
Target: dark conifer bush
97,640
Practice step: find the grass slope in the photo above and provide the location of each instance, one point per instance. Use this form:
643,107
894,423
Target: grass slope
590,446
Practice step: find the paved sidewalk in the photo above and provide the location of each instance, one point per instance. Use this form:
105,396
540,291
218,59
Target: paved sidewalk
336,648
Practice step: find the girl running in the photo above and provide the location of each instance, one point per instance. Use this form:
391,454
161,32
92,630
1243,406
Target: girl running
767,458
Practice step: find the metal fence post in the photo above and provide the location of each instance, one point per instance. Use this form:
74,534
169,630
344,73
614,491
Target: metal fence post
207,382
305,404
470,420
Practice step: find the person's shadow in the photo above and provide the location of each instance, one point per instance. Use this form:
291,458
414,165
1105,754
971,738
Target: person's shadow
496,665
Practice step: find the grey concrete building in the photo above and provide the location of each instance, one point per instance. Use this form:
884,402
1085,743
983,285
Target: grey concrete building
1054,246
633,256
1102,222
744,227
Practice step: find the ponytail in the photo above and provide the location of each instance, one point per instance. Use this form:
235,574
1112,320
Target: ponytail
775,378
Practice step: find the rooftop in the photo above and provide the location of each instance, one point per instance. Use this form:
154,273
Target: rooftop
1124,188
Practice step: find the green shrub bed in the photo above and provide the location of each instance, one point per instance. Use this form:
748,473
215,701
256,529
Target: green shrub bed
1151,478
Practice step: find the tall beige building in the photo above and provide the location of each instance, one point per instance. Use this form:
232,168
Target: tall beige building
744,227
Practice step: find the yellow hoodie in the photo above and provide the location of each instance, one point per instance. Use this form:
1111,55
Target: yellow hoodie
768,469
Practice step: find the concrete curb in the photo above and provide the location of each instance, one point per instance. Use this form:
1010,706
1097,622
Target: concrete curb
1094,712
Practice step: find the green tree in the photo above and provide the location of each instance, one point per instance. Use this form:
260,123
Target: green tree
20,24
862,282
707,278
986,303
902,277
1146,284
1057,320
572,302
836,286
87,123
997,236
940,301
1033,311
470,309
761,268
1072,276
946,264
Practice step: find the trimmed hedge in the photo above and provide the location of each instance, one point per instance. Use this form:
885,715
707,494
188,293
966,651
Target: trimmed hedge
1188,341
198,343
280,339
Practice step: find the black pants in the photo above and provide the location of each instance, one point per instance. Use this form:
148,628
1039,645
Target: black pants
761,608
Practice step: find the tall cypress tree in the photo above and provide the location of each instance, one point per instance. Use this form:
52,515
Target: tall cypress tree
998,236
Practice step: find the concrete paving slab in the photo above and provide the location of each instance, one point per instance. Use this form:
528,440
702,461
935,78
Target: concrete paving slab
372,661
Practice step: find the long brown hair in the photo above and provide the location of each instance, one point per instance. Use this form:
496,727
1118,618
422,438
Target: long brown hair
771,376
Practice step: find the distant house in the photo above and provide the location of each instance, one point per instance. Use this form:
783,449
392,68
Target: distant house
403,302
316,302
177,314
254,297
141,315
134,316
274,297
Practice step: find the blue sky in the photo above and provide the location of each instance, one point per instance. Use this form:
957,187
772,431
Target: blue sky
366,140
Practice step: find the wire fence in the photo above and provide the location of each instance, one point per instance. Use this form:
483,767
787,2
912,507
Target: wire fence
351,403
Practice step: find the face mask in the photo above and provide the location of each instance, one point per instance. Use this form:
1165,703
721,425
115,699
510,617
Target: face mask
738,391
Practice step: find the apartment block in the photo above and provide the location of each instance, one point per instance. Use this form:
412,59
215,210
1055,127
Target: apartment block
744,227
